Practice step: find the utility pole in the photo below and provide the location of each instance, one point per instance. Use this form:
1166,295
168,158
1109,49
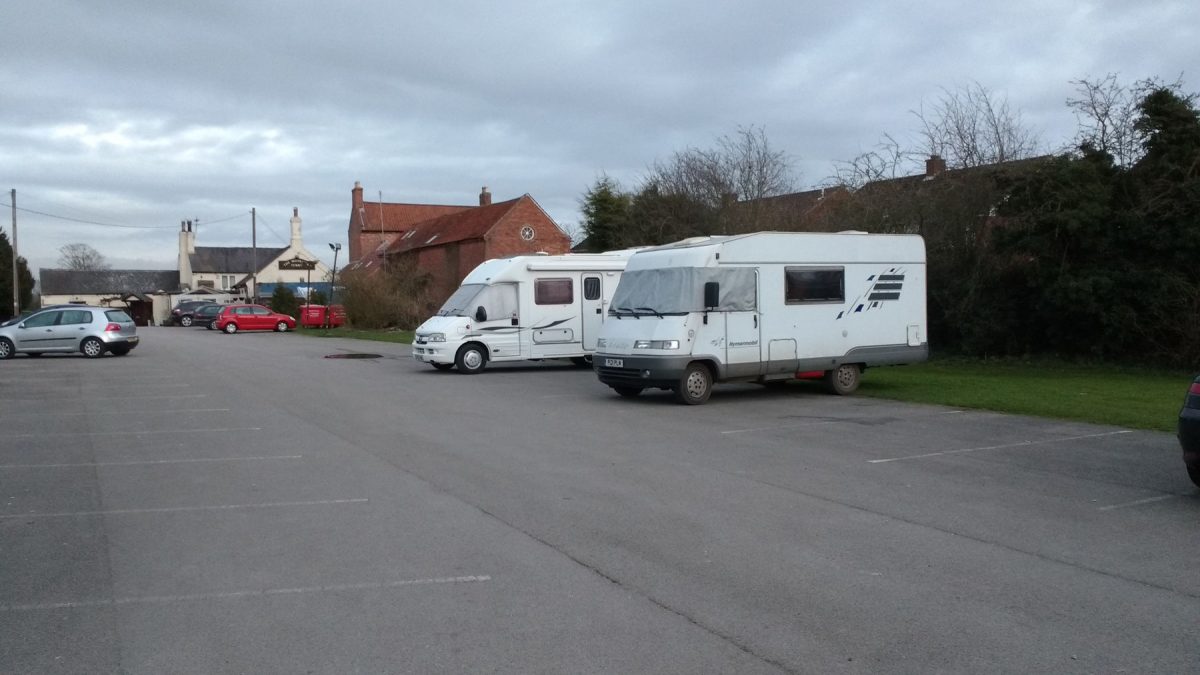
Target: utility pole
254,252
16,277
381,235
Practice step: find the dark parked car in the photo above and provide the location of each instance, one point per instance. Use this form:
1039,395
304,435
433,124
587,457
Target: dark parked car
183,314
1189,431
205,315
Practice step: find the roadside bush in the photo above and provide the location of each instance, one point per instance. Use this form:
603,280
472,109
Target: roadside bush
284,301
395,297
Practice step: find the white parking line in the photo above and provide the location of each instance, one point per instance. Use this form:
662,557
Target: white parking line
256,593
106,412
149,461
181,509
1148,500
163,397
132,433
998,447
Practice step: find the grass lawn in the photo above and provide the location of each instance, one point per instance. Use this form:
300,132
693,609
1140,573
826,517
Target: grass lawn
1104,395
1121,396
401,336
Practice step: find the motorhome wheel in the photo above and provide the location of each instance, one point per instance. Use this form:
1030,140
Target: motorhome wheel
470,359
695,385
843,380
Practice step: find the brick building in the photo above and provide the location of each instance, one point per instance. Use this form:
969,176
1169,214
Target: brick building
445,241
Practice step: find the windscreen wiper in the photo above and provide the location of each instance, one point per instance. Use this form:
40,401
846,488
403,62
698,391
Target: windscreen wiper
617,312
649,309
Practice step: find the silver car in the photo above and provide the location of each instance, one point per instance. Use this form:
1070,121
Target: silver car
91,331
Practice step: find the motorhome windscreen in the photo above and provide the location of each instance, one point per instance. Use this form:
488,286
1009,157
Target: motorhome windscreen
499,301
677,290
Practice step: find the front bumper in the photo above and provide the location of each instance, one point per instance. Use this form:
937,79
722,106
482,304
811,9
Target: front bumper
645,372
432,352
1189,436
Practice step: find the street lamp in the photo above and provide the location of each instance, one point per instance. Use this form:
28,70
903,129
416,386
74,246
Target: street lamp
333,280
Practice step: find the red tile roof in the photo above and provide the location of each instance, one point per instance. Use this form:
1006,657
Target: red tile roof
400,217
469,223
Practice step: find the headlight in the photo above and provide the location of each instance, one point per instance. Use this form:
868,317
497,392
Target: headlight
656,344
601,343
435,337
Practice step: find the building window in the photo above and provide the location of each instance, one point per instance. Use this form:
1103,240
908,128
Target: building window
553,292
227,281
204,283
814,284
527,233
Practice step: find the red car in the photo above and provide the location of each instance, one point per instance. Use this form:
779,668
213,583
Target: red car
252,317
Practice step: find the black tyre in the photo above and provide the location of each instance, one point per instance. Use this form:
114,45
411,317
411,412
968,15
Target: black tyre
844,379
471,359
281,327
443,366
231,328
628,392
695,385
185,321
1194,474
92,348
7,349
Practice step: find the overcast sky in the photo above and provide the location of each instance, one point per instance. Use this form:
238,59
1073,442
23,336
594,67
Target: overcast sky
141,114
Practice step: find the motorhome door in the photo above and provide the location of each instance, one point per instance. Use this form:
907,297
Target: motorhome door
743,343
593,309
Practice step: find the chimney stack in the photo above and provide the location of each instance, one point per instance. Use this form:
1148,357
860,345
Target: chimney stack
356,196
934,165
485,197
297,241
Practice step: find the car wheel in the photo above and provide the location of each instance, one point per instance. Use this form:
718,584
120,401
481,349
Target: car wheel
119,351
185,321
92,347
470,359
281,327
843,380
695,385
1194,474
628,392
7,350
231,328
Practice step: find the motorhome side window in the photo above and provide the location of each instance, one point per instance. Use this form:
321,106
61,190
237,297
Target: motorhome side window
809,284
591,288
553,292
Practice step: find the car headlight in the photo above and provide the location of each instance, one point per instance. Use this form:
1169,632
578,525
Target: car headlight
435,337
656,344
601,343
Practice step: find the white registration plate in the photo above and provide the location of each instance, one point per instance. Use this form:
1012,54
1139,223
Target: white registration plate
614,363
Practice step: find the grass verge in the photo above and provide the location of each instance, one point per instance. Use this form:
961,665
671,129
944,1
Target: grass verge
1103,395
400,336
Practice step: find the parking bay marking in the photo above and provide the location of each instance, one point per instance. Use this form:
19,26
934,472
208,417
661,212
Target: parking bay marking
181,509
149,462
128,433
106,412
1021,444
256,593
1148,500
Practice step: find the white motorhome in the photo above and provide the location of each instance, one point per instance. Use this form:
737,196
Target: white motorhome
521,308
764,307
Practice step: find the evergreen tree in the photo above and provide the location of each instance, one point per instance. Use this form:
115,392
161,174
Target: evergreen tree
605,216
24,279
284,301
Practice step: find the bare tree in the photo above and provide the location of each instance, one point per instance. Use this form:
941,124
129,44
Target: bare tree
742,167
970,127
1107,111
886,161
81,257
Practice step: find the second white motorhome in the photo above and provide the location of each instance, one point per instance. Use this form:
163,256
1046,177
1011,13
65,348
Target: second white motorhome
522,308
764,307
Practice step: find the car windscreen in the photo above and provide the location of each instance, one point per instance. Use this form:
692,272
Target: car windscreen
117,316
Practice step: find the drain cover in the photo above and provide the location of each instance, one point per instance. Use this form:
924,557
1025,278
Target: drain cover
353,355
